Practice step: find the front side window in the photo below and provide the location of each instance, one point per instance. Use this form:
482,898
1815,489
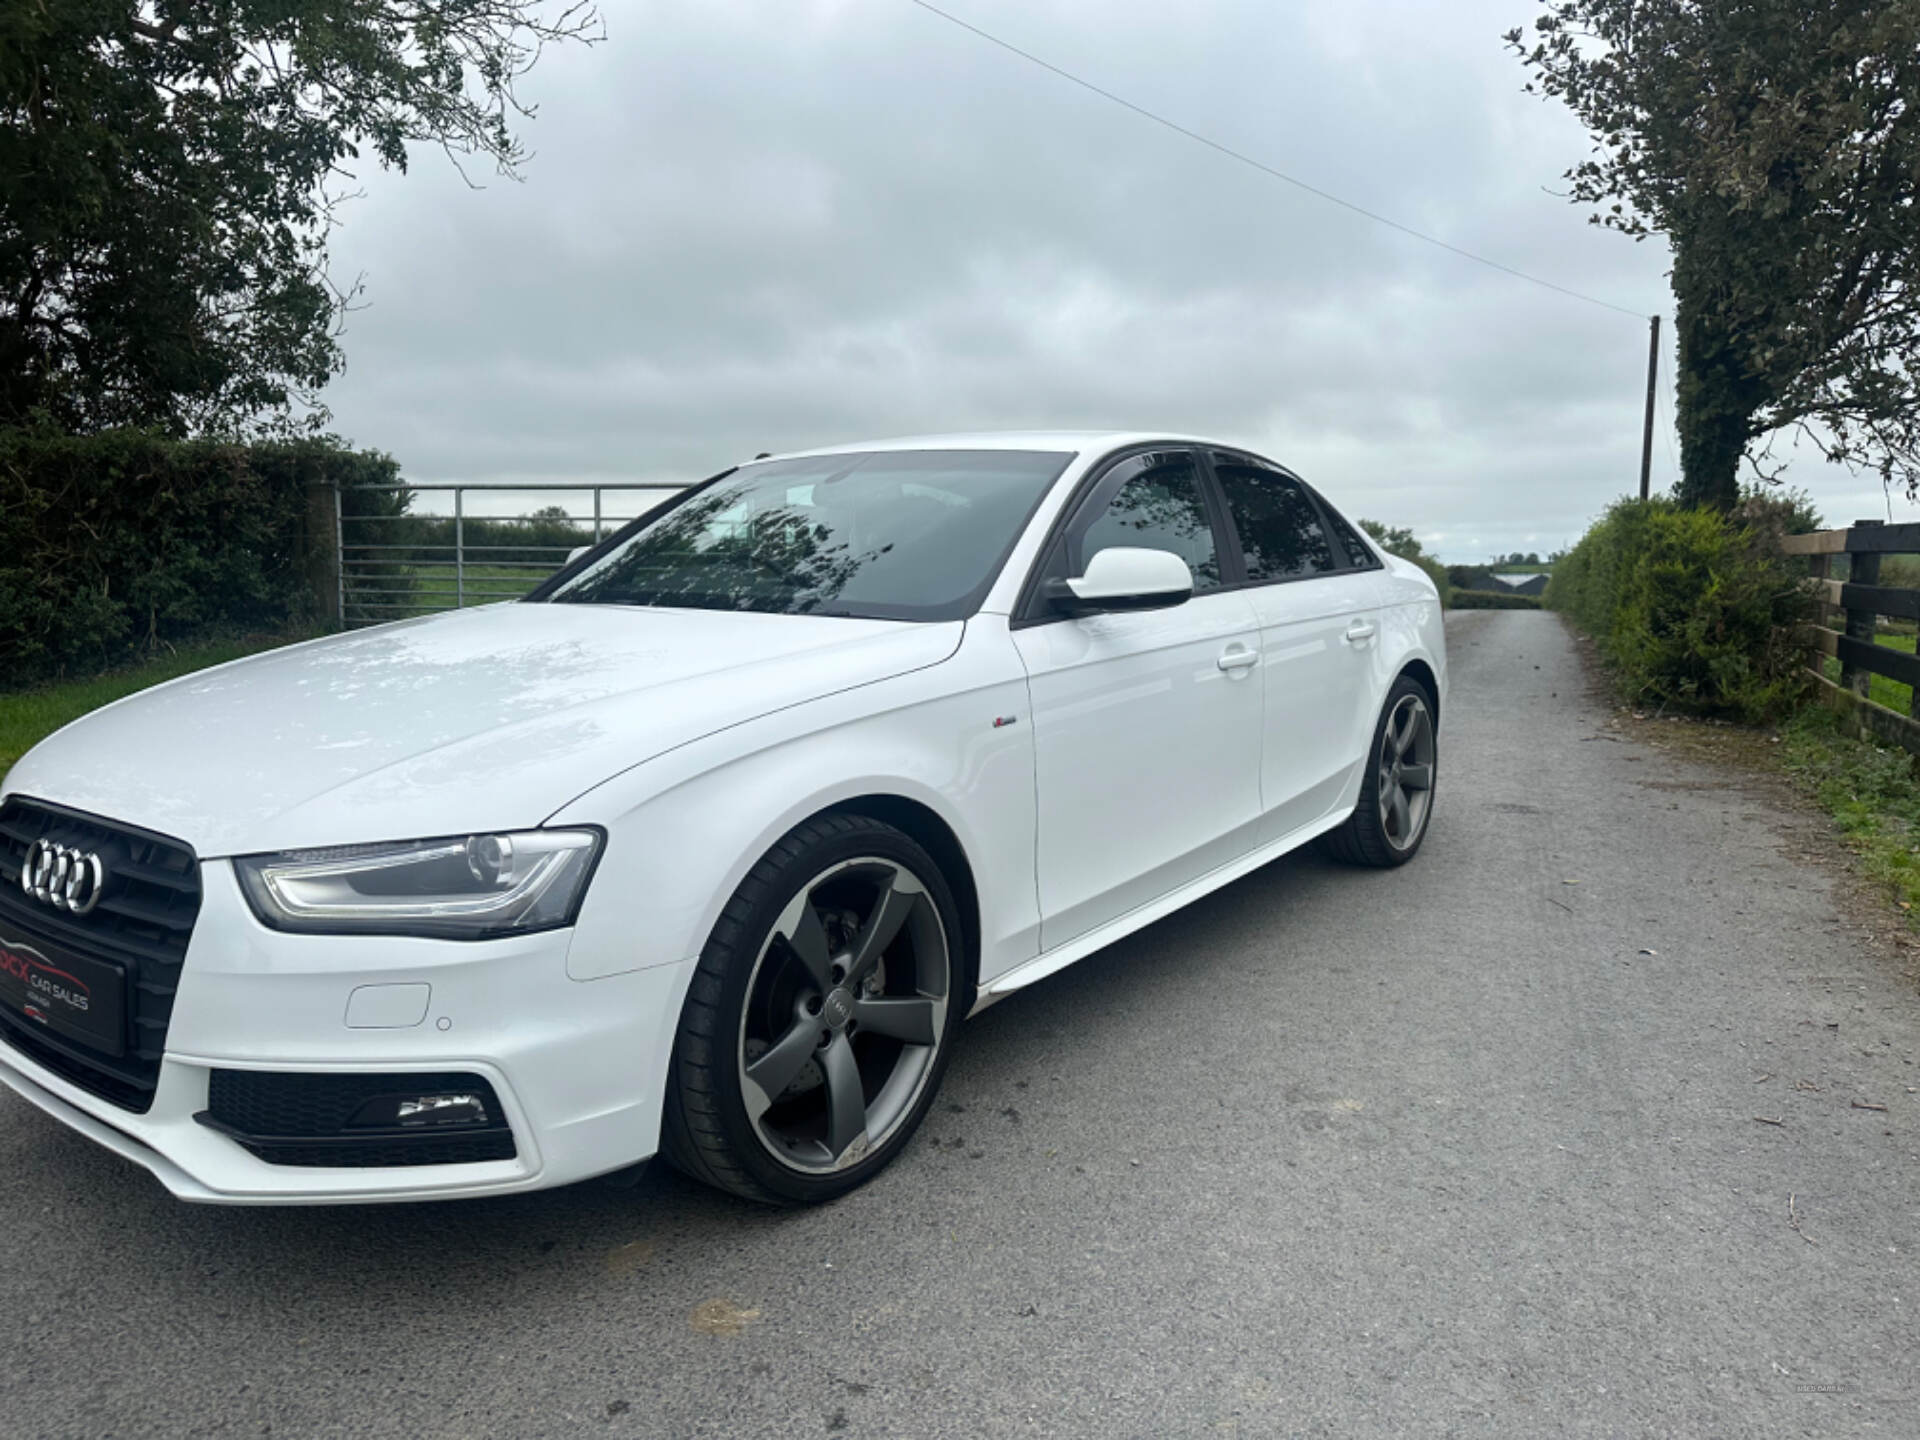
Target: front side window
1158,507
885,535
1281,536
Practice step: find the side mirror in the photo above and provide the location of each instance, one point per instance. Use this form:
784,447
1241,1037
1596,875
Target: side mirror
575,553
1125,577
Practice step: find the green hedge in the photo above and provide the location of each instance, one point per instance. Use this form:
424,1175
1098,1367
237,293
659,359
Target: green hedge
1689,606
117,543
1493,600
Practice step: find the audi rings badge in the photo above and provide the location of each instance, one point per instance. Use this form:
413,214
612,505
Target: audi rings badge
63,877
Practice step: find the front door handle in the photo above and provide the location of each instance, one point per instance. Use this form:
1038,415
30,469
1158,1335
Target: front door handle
1361,631
1238,659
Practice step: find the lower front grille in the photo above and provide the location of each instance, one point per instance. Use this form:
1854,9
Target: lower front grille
346,1120
88,1074
427,1150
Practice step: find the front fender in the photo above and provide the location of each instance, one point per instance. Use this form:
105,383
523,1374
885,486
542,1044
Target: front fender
684,828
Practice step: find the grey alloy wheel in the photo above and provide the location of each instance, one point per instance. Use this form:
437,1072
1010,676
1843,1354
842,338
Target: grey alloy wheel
1394,808
1405,772
845,1015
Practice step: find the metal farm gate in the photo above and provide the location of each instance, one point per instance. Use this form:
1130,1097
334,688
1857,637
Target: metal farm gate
414,549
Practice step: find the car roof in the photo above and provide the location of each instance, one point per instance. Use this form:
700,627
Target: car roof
1061,441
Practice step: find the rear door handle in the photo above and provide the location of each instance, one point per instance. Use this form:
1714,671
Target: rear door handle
1238,659
1361,631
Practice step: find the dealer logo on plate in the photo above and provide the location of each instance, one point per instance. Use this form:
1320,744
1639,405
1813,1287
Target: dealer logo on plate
45,984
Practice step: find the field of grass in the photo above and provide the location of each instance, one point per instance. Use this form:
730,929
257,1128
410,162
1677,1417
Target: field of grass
488,581
435,587
29,716
1890,693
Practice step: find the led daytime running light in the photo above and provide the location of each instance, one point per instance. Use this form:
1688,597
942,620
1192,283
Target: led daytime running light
474,887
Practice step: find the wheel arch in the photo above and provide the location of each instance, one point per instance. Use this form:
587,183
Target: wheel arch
1422,673
934,835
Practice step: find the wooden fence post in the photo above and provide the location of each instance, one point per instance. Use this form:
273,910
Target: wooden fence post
1861,624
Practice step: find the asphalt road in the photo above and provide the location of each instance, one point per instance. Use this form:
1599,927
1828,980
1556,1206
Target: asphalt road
1433,1152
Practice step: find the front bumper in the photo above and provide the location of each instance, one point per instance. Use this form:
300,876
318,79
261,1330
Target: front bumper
579,1067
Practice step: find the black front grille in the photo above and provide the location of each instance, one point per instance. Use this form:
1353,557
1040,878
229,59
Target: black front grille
143,921
309,1119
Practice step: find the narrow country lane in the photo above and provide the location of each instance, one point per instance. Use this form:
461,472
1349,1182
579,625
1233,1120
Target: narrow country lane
1441,1151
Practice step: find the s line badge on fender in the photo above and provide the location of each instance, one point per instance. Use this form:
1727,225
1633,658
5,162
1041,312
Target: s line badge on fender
707,848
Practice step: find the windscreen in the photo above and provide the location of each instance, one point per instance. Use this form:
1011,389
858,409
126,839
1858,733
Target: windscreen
889,535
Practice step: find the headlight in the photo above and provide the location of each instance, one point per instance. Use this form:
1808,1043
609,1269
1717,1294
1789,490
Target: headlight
473,888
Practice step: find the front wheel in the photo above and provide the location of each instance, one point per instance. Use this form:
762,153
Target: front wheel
1396,796
820,1018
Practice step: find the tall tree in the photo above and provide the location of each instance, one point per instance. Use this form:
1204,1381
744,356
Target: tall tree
1776,144
168,171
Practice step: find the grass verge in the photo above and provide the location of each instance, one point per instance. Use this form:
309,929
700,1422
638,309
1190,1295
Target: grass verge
29,716
1872,794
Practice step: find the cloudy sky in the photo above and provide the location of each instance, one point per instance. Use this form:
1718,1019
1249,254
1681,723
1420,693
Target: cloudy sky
766,224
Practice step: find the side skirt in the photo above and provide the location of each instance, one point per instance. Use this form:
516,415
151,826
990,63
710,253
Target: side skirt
1052,962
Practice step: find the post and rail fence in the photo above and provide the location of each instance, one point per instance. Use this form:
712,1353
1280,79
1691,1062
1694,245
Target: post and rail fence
414,549
1859,601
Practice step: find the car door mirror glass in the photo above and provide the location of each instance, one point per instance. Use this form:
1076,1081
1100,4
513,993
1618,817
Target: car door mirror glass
1125,577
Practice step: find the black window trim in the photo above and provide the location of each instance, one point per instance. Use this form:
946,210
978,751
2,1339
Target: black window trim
1030,607
1314,498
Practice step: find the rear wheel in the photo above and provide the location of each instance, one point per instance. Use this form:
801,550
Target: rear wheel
1396,797
819,1021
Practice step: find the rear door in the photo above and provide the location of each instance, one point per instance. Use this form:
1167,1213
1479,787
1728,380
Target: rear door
1314,591
1147,724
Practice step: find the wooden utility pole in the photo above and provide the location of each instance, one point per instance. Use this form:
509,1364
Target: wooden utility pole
1646,435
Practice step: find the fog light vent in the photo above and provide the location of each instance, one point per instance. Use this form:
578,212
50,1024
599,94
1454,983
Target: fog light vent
358,1120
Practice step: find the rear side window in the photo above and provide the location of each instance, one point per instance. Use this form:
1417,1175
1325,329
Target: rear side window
1281,536
1358,555
1158,506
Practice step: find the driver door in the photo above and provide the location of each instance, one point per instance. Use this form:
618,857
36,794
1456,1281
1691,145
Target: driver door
1148,723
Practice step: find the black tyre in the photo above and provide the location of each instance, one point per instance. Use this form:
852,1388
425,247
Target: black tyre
820,1018
1396,797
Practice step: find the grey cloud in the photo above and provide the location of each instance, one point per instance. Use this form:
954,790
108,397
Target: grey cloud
764,225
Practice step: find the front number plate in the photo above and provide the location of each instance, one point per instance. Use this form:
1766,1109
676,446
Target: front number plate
77,998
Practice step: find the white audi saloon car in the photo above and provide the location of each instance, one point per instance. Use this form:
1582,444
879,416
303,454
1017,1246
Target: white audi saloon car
707,847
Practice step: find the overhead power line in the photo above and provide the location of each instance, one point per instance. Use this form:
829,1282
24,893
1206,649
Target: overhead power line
1268,170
